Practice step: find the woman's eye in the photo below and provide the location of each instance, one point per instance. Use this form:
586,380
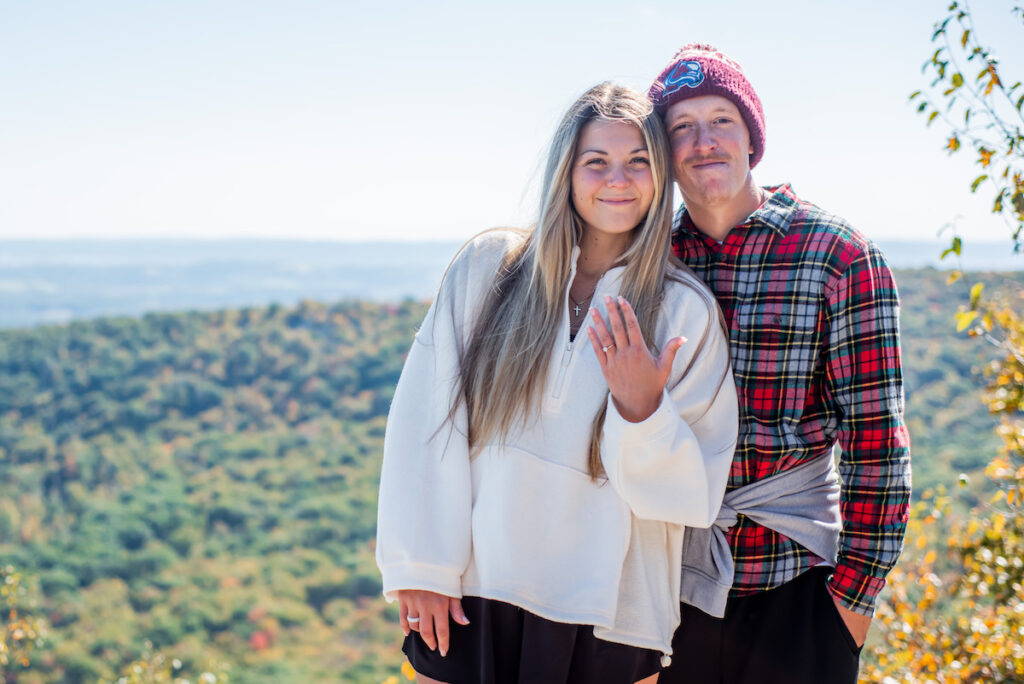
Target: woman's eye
640,161
594,162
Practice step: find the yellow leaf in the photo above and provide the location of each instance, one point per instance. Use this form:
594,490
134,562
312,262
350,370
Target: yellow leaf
929,557
407,670
976,294
964,319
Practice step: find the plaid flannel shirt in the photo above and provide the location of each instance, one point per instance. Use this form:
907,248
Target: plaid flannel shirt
813,323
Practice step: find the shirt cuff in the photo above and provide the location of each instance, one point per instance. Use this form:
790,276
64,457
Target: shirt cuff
854,590
441,580
618,430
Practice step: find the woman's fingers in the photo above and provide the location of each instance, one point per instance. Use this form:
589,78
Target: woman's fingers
595,343
427,630
605,341
633,332
455,608
619,334
403,617
668,354
441,632
427,612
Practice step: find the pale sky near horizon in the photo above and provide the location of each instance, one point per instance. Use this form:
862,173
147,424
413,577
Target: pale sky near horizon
417,121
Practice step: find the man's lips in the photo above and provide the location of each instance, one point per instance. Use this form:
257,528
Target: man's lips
705,163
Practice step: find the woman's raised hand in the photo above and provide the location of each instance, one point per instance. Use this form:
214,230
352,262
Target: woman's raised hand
427,613
635,377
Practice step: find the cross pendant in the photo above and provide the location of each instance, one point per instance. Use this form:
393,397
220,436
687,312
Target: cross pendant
576,310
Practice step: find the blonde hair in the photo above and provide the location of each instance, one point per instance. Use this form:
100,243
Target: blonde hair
504,367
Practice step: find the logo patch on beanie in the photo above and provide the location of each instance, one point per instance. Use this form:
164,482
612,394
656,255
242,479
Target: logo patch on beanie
684,73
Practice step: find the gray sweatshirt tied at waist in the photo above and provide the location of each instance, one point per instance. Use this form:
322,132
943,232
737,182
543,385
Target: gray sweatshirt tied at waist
802,503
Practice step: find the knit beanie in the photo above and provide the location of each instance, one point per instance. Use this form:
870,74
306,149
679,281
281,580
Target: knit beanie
699,69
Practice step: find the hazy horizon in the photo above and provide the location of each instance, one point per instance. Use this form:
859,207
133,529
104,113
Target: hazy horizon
58,281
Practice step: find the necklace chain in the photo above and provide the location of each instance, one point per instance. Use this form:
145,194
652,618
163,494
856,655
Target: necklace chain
576,304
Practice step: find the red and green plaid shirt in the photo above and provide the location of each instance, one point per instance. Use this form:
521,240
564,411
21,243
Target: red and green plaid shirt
813,323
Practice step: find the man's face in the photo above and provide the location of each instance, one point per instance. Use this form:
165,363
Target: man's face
710,150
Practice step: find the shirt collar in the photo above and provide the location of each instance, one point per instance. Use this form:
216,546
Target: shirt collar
775,213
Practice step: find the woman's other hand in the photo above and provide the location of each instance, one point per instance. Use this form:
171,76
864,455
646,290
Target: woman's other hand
427,613
635,377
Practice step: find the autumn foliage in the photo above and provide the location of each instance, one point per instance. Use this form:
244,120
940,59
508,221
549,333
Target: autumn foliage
954,610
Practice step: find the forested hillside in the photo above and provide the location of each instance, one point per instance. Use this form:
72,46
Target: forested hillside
207,481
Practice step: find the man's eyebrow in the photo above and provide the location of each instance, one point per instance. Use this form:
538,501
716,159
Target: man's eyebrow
721,109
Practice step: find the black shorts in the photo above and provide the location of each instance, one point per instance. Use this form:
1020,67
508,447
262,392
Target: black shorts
504,644
792,634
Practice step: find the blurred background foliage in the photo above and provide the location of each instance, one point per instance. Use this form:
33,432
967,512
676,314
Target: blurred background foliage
204,483
955,605
200,488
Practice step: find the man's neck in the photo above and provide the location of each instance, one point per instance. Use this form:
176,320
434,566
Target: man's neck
716,220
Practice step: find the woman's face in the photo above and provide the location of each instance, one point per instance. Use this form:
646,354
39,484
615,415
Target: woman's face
612,184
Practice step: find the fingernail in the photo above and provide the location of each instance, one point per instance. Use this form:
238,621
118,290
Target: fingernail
622,300
608,298
444,652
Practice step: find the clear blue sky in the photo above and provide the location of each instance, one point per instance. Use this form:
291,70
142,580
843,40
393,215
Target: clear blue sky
427,121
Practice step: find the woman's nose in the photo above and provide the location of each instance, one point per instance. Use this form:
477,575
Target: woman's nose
617,177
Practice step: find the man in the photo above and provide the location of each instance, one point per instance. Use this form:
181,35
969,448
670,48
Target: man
782,589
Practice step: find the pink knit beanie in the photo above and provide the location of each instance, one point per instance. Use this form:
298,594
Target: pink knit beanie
699,69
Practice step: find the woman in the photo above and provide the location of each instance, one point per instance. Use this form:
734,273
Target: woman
541,460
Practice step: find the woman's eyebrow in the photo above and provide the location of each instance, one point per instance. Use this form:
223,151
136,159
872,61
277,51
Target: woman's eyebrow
597,151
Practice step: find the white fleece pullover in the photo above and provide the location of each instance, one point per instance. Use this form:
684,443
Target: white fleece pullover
522,522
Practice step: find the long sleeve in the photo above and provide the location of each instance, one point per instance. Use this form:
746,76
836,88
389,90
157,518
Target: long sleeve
424,511
865,380
673,466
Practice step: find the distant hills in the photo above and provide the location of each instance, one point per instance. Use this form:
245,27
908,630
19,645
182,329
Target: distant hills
57,281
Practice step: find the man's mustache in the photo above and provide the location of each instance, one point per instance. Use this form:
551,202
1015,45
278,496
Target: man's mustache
697,159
